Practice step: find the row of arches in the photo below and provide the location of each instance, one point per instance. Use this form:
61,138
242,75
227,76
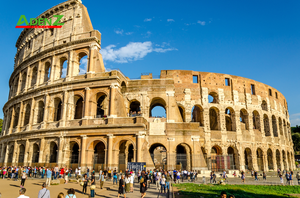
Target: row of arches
29,78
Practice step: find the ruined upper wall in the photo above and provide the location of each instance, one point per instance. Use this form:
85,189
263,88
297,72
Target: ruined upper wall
77,25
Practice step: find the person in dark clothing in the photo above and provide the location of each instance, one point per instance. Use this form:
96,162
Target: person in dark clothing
93,183
85,183
143,186
121,189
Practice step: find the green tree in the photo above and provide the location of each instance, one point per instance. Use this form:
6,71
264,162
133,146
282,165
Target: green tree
296,141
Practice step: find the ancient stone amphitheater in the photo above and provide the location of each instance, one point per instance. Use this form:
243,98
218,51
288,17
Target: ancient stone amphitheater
61,113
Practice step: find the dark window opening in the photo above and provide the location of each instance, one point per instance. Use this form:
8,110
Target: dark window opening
51,32
29,45
227,82
195,79
276,95
253,89
270,92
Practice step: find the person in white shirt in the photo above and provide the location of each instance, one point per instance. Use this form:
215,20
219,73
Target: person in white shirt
127,183
22,192
131,182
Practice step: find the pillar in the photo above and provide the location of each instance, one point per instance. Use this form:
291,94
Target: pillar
14,160
26,154
46,110
86,103
113,88
139,142
31,114
94,49
274,160
65,109
38,75
41,153
110,150
12,120
53,68
83,152
2,153
20,117
60,151
6,155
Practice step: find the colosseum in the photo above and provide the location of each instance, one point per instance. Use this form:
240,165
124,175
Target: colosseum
60,113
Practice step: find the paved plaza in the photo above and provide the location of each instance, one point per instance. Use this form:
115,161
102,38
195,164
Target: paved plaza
9,189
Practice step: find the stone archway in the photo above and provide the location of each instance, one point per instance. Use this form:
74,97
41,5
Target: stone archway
248,159
158,153
183,157
260,159
270,159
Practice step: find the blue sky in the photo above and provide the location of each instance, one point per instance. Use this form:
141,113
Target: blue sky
254,39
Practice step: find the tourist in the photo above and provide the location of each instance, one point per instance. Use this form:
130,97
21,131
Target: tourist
291,178
71,193
48,180
143,186
121,189
168,179
127,183
88,172
115,178
252,173
131,182
211,176
178,176
264,176
22,192
281,179
298,177
44,193
61,195
287,178
163,184
109,173
23,178
255,175
223,194
102,179
243,177
85,183
278,172
93,183
66,176
214,178
76,173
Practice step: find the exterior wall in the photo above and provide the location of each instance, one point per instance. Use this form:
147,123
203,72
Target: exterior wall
56,121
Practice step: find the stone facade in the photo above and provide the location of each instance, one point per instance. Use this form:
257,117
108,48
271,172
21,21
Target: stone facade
101,119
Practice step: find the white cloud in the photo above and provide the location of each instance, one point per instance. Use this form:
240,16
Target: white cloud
133,51
147,20
119,31
170,20
201,22
295,119
129,33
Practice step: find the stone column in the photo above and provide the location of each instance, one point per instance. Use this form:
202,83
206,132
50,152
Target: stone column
105,159
83,152
14,160
86,103
241,157
113,88
254,159
238,125
12,120
46,110
110,150
26,154
94,48
134,155
6,155
60,151
19,84
265,161
38,75
28,77
53,68
20,117
31,114
70,66
274,160
139,142
41,153
2,153
65,109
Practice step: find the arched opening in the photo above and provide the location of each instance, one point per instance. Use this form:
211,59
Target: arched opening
47,72
35,153
231,160
57,109
101,107
21,153
197,114
284,129
284,160
53,152
78,107
280,126
63,67
27,115
16,118
270,159
158,154
182,113
158,108
83,61
274,126
183,157
267,125
244,119
33,76
40,113
135,109
216,159
10,154
213,97
260,161
123,87
16,84
248,159
256,120
74,153
23,84
99,156
278,159
264,105
230,119
214,118
126,154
